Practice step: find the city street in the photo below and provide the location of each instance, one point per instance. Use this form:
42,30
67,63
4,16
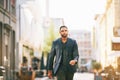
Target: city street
83,76
77,76
44,78
41,35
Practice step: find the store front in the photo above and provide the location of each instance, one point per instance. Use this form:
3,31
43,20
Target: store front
7,50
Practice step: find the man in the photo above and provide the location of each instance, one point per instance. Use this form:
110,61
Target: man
63,57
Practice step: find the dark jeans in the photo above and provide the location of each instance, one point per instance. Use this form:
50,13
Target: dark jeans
64,75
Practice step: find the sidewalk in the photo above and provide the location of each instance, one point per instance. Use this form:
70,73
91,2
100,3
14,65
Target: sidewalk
43,78
83,76
77,76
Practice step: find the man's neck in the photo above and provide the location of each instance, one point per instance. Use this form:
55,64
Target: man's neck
64,40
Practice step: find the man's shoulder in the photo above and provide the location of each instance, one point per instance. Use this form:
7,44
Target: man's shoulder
56,40
71,39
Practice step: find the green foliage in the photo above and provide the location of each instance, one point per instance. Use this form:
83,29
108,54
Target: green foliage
48,40
31,53
96,65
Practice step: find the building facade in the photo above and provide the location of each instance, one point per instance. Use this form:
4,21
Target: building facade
8,37
108,30
29,30
84,41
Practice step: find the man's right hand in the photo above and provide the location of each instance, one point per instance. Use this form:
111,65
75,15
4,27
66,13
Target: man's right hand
50,74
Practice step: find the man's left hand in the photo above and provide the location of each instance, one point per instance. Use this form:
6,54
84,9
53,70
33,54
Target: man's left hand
73,62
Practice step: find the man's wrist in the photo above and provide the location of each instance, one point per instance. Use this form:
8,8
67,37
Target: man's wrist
50,74
49,71
75,61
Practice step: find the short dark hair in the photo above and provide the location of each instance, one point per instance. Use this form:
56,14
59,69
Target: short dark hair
62,27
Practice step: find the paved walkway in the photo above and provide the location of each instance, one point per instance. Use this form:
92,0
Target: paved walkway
77,76
44,78
83,76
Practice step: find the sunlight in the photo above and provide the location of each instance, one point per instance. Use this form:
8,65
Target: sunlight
76,13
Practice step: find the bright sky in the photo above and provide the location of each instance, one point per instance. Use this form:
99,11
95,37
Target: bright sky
77,14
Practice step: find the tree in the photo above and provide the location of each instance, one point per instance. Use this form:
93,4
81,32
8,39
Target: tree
48,40
96,66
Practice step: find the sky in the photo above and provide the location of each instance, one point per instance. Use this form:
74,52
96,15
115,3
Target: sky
77,14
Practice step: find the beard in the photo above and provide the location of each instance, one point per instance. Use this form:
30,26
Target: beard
64,36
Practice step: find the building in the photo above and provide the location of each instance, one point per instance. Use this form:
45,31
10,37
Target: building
51,30
29,30
101,40
84,41
108,28
8,37
55,22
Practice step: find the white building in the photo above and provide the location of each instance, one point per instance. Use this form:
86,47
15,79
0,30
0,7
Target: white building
84,41
29,29
107,32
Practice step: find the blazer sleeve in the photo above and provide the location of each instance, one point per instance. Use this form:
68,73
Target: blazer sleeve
75,51
51,57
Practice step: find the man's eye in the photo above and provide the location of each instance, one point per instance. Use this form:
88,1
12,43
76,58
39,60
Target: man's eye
62,31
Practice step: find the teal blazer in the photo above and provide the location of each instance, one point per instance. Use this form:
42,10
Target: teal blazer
55,55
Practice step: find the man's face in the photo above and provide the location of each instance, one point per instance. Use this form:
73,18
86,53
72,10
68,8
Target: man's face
64,32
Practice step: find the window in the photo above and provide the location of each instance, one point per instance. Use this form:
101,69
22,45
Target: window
2,3
13,3
6,5
116,46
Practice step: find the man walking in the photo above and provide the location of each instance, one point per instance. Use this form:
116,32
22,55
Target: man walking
63,57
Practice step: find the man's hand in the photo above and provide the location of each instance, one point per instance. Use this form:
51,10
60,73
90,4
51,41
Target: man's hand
73,62
50,74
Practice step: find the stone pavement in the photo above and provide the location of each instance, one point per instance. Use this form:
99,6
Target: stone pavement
44,78
83,76
77,76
